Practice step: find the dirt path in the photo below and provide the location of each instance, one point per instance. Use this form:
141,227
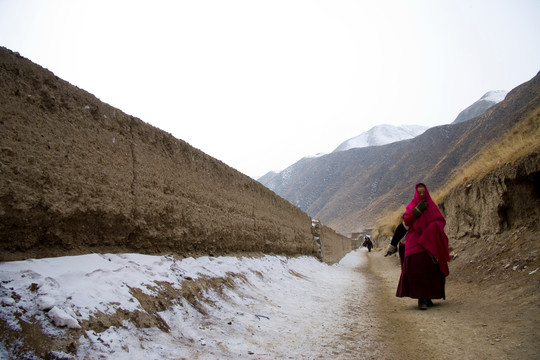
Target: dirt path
468,325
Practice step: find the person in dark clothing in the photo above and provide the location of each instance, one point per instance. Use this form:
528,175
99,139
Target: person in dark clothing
368,243
398,242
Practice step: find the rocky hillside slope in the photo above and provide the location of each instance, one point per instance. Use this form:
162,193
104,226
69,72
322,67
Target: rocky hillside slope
505,199
479,107
79,176
349,190
493,225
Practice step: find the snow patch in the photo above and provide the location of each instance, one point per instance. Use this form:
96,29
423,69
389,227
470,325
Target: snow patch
495,96
45,302
272,306
317,155
7,301
61,318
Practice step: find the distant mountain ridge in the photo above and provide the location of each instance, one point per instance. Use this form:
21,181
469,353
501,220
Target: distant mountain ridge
488,100
376,136
348,190
382,135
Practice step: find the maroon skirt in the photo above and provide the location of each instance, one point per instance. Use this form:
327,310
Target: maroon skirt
421,278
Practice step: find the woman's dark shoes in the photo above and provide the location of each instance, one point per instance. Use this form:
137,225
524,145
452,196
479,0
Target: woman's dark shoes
429,303
422,304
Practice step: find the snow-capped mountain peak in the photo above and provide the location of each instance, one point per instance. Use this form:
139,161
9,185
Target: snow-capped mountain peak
382,135
482,105
495,96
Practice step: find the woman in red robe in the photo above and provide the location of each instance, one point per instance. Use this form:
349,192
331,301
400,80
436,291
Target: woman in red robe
425,266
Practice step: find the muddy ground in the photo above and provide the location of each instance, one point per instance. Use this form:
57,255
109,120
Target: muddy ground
489,320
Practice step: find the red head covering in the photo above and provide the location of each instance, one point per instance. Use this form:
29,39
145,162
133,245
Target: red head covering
427,231
431,213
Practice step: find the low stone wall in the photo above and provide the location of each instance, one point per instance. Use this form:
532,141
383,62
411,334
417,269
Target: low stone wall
335,246
79,176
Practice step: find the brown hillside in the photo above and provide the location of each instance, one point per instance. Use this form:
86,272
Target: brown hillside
80,176
350,190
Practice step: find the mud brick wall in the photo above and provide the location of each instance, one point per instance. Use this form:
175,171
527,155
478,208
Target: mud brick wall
79,176
334,246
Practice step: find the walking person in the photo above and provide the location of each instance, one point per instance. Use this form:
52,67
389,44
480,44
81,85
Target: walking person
368,243
425,267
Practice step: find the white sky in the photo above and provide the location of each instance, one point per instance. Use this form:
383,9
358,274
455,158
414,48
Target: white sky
260,84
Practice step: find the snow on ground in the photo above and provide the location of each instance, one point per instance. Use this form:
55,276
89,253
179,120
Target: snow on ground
276,307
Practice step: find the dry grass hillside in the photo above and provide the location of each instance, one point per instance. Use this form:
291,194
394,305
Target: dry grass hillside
80,176
503,155
520,141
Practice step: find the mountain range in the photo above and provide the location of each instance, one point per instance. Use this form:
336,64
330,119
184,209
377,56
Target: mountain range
348,190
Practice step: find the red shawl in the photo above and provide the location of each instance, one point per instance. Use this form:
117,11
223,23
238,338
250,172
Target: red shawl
427,231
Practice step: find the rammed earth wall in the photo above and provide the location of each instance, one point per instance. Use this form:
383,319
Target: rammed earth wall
79,176
334,246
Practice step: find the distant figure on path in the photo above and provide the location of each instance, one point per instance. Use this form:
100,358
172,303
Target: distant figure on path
425,267
367,243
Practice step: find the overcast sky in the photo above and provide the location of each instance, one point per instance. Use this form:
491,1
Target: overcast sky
260,84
